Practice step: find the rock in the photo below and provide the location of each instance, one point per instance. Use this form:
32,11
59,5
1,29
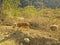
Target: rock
21,43
27,40
6,33
53,27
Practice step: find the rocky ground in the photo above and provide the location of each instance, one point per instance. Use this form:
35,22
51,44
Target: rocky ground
38,34
27,36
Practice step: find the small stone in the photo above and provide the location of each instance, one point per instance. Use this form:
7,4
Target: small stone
27,40
53,27
6,33
21,43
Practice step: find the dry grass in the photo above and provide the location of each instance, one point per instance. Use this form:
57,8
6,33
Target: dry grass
40,26
27,32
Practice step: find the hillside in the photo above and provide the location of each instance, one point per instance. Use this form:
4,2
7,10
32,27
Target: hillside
29,22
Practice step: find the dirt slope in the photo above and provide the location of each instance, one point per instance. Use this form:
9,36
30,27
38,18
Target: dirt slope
37,37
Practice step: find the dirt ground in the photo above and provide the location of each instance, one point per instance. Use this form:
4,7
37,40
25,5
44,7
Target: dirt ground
16,36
